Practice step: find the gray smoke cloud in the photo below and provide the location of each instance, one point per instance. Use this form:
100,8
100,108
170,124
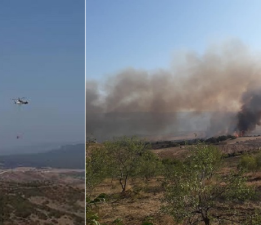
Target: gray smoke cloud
250,113
211,92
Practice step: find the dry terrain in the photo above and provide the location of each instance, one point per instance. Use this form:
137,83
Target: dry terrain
142,201
30,196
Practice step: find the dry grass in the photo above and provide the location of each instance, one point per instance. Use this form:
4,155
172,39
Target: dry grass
142,201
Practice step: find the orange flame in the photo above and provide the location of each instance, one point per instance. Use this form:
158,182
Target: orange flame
239,133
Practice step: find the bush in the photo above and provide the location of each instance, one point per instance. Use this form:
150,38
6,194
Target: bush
249,163
91,217
258,161
147,223
103,195
118,221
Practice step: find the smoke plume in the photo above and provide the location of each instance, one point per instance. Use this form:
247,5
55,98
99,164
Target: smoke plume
250,113
215,92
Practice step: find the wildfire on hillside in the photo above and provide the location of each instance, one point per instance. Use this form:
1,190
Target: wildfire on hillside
239,133
223,85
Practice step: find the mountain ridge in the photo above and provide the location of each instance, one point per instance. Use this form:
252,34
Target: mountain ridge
68,157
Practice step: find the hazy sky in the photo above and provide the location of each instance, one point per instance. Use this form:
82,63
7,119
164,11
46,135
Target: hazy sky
145,34
42,59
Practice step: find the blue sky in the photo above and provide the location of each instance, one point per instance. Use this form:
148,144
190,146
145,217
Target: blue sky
42,59
145,34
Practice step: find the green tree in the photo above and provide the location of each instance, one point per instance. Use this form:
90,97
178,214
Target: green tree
126,157
150,165
96,166
196,193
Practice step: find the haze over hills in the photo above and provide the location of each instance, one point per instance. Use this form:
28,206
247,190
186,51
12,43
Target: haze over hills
69,156
34,148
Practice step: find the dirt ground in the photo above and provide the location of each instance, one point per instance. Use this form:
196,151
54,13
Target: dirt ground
135,207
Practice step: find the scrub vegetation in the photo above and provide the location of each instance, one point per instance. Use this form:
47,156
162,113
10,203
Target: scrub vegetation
130,183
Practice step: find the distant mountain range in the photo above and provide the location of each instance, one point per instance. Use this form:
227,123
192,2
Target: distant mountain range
34,148
69,156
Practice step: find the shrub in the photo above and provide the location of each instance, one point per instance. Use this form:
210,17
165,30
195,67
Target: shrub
118,221
248,162
147,223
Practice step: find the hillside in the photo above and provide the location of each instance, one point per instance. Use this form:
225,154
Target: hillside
142,203
41,202
69,156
